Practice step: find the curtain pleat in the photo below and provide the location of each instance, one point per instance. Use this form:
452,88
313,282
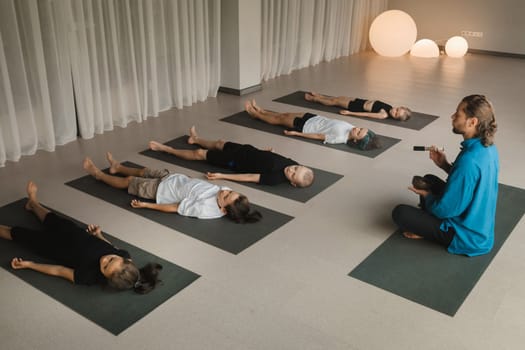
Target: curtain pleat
301,33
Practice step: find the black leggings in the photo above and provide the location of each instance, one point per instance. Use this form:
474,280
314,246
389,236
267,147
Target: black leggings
49,241
232,156
419,221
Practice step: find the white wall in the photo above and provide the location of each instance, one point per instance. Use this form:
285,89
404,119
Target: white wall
501,21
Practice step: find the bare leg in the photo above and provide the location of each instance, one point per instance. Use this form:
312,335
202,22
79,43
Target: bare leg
116,168
33,204
113,181
274,118
5,232
339,101
208,144
188,154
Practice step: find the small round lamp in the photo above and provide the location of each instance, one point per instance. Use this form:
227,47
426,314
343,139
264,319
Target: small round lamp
456,46
425,48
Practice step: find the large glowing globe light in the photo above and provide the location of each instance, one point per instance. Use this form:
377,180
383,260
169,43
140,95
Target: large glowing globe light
392,33
456,46
425,48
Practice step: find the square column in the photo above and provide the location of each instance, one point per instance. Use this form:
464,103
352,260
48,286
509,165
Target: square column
240,46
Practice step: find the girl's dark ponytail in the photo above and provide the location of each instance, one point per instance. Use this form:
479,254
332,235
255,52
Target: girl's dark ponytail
240,211
148,278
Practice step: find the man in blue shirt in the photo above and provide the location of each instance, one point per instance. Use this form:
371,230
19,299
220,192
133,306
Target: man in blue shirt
459,213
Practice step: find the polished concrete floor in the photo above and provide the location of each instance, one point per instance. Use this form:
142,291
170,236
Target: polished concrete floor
291,290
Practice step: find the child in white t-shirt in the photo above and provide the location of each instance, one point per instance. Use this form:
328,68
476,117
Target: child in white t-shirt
317,127
175,193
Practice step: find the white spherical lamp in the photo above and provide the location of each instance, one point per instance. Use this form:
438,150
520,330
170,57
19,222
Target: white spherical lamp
456,46
425,48
392,33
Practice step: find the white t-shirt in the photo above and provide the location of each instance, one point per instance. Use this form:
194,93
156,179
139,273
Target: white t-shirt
335,131
196,198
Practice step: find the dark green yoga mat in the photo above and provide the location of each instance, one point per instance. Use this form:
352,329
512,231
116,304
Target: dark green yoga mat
244,119
323,179
113,311
222,233
416,122
426,273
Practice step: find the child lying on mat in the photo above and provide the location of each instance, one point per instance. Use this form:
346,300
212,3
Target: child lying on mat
175,193
358,107
316,127
249,163
87,257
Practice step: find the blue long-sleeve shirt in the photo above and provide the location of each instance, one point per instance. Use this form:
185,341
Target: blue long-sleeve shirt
468,203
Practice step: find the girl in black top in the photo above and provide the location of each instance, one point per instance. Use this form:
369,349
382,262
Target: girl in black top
85,255
358,107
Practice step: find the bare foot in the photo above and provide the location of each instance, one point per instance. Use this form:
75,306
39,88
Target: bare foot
248,105
156,146
411,235
311,96
113,164
250,110
31,189
193,136
90,167
256,107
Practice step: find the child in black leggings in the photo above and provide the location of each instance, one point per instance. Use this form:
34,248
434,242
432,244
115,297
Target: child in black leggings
84,254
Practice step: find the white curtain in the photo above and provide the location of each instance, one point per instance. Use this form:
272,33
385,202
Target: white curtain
36,100
301,33
115,61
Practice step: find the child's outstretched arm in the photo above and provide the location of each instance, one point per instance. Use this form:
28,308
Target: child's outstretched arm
311,136
166,208
376,115
234,177
52,270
